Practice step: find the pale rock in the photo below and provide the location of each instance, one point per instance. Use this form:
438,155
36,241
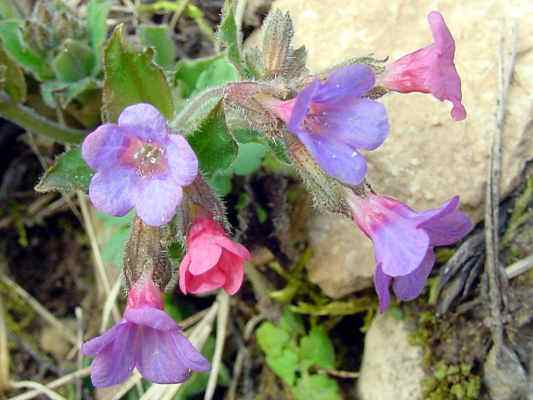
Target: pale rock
392,368
428,157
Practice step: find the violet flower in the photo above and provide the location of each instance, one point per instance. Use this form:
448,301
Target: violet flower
334,121
146,338
404,240
140,165
212,260
430,69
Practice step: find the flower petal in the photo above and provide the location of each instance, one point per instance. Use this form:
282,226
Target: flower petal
101,149
157,357
301,106
410,286
351,81
204,253
192,358
97,344
144,121
151,317
233,247
181,159
115,362
381,284
110,190
206,282
336,159
232,267
184,273
441,34
156,199
399,246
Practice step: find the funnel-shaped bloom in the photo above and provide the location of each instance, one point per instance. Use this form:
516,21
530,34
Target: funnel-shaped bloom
430,69
212,260
334,121
146,338
139,164
404,240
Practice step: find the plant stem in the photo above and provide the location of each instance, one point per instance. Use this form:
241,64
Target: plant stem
28,119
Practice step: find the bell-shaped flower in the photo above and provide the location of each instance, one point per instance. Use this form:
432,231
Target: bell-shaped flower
140,165
404,240
146,338
430,69
334,121
212,260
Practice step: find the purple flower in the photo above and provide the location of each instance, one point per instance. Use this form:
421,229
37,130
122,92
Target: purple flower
430,69
139,164
404,240
333,120
146,338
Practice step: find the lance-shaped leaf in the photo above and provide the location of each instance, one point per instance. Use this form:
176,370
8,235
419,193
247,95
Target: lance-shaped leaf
64,92
230,36
132,77
74,62
97,11
16,48
213,144
68,173
158,37
12,78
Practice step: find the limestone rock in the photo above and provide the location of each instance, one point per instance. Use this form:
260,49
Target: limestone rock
428,157
392,368
338,265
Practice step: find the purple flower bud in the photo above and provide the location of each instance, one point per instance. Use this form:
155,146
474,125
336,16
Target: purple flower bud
404,240
146,338
334,121
430,69
139,164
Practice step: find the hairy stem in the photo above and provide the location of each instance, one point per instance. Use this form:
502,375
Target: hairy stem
32,121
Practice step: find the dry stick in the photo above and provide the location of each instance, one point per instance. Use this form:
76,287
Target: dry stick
222,325
496,276
519,267
99,262
79,326
4,352
63,330
39,387
109,304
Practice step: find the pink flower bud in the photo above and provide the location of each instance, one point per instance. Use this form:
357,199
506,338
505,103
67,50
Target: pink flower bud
430,69
212,260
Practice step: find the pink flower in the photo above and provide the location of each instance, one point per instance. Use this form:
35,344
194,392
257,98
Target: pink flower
404,240
430,69
212,260
146,338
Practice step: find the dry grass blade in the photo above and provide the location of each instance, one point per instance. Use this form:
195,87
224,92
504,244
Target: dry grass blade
42,389
4,352
82,373
63,330
496,278
222,325
519,267
109,304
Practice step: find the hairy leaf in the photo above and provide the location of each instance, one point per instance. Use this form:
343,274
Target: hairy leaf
229,35
68,173
97,11
75,62
132,77
317,387
158,37
316,349
12,81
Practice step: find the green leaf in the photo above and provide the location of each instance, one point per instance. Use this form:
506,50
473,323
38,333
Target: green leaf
13,81
68,173
75,62
132,77
249,158
229,35
193,76
316,349
11,35
213,144
97,11
158,37
221,181
284,365
9,9
291,323
316,387
271,338
65,92
116,234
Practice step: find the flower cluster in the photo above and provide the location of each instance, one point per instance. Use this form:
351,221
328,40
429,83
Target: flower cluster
141,164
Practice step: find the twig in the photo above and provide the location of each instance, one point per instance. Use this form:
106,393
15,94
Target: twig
82,373
193,319
222,325
177,14
109,304
79,325
37,386
126,386
519,267
4,352
99,262
340,374
62,330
